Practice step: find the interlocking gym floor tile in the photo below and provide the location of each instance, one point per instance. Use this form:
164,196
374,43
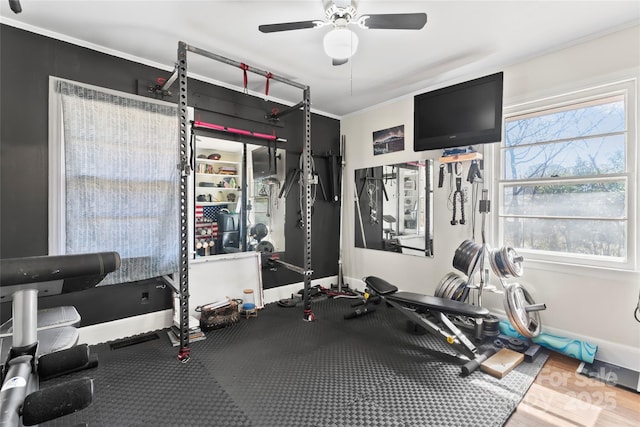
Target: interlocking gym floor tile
278,370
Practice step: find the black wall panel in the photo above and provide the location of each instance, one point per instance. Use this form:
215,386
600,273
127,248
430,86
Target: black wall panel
26,62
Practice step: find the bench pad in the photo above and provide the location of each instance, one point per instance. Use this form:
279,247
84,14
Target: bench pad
418,301
380,286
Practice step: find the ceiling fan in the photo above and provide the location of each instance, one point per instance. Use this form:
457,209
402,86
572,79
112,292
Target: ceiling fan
341,43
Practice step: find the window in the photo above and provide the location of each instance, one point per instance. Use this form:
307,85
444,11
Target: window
114,180
567,190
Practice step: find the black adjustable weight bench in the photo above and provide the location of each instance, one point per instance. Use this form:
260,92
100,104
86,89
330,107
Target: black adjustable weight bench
43,344
430,313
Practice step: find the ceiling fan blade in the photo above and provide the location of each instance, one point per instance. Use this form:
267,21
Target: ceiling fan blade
336,62
287,26
394,21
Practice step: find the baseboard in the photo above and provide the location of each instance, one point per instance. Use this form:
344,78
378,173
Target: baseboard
614,353
282,292
611,374
123,328
130,326
353,283
611,352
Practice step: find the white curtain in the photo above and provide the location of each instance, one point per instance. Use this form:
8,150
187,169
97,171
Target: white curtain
121,180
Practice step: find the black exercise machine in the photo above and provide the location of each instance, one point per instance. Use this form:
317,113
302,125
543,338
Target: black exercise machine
42,345
431,314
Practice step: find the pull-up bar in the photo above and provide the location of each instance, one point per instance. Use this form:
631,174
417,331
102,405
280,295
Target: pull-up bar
167,84
245,67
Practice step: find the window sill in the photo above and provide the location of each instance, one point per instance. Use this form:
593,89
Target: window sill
601,272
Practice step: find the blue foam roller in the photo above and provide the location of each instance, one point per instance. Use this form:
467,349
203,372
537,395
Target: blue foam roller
571,347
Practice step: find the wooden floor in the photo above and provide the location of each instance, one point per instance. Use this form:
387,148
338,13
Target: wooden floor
561,397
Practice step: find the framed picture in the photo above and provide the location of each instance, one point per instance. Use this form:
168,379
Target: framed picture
388,140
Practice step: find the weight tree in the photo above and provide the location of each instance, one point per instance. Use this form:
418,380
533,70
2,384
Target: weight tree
185,170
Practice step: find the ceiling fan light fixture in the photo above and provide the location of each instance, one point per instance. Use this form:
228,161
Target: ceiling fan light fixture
340,43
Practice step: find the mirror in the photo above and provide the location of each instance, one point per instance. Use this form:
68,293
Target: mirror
394,208
231,177
266,209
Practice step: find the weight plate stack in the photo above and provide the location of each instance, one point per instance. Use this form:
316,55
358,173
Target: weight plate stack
491,326
452,286
461,292
466,256
444,284
438,291
505,262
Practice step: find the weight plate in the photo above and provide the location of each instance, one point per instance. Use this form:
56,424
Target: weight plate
513,261
438,291
447,290
466,256
506,262
459,257
259,231
516,299
458,289
449,279
459,292
451,285
265,247
465,294
494,261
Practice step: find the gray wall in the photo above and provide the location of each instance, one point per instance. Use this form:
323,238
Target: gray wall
26,62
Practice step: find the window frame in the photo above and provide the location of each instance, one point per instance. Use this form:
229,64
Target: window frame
57,231
628,88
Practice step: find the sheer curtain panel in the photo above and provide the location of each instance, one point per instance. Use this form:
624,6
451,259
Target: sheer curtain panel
119,187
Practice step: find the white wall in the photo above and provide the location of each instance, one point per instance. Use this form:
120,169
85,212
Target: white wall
594,305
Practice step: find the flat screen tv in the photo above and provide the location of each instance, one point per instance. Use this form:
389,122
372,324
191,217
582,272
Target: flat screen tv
464,114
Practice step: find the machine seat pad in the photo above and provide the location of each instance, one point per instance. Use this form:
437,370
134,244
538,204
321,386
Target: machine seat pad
48,318
420,301
380,286
49,341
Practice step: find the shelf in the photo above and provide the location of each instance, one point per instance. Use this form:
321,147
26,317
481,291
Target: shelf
216,162
466,157
215,180
218,189
217,175
213,203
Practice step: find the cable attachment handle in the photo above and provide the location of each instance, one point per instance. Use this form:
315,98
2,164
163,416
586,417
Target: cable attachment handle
458,195
269,76
245,79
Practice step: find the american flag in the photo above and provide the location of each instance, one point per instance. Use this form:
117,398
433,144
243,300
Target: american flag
210,212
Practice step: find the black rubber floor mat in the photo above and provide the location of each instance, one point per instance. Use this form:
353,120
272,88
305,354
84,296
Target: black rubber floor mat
279,370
